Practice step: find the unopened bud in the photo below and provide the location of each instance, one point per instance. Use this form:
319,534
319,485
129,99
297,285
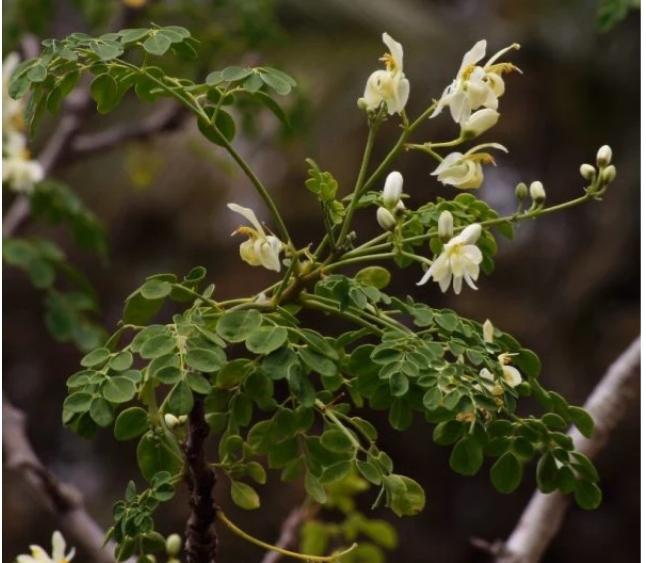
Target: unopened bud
537,191
362,104
487,331
445,225
479,122
522,191
173,544
604,156
171,420
608,174
588,172
393,189
385,219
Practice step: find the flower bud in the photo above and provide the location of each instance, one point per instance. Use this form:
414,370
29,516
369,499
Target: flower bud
445,225
608,174
588,172
362,104
479,122
173,544
171,420
604,156
385,219
522,191
393,189
537,191
487,331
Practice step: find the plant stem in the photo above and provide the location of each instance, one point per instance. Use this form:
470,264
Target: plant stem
295,555
201,537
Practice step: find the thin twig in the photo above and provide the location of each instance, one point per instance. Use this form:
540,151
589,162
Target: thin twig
608,404
62,499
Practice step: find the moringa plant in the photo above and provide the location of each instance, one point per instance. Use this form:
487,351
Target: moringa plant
251,376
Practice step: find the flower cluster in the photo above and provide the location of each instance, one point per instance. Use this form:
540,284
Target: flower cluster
19,171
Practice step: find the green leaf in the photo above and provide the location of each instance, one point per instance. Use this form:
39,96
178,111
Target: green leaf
101,412
155,289
244,495
121,362
448,432
95,358
37,73
506,473
400,415
547,473
236,326
78,402
158,452
233,373
406,497
374,276
466,456
528,362
225,127
105,93
132,35
234,73
398,384
336,440
582,420
180,399
587,495
369,471
139,310
131,423
157,346
207,361
266,339
278,81
198,383
118,390
106,50
317,362
157,44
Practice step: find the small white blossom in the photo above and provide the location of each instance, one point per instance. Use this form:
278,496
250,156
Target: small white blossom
388,86
445,225
393,189
18,169
260,249
464,171
475,86
460,260
537,191
487,331
479,122
39,555
587,172
510,374
385,219
604,156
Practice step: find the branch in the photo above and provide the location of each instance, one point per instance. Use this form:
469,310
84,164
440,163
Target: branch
288,532
62,499
201,537
543,516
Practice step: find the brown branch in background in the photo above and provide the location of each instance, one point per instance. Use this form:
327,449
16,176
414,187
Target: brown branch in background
289,531
543,516
201,537
61,499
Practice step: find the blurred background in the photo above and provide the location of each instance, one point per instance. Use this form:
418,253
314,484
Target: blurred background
567,287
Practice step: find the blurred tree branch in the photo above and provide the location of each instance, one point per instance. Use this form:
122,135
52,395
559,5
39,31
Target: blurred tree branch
62,499
289,531
543,516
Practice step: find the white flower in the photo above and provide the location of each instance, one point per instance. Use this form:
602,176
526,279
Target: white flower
479,122
445,225
475,86
487,331
393,189
604,156
464,171
510,374
460,260
260,249
537,191
385,219
12,110
388,86
18,169
39,555
486,375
